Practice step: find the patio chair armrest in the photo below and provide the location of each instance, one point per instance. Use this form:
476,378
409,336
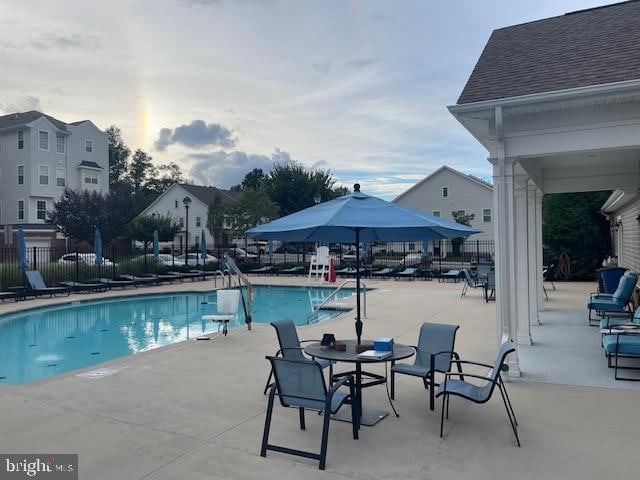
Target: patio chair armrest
471,375
443,352
468,362
308,341
347,380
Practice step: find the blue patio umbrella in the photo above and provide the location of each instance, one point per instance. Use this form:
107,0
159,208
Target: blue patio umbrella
23,263
156,246
97,247
203,246
358,217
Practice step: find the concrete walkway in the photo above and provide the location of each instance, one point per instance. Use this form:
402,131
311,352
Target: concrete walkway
195,410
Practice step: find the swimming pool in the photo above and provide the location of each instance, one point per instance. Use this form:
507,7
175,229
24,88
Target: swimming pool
43,342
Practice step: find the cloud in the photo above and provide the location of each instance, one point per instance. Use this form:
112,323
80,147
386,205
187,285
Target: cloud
225,169
321,67
197,134
359,63
56,41
22,103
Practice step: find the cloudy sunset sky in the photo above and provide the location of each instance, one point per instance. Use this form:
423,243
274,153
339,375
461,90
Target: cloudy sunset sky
223,86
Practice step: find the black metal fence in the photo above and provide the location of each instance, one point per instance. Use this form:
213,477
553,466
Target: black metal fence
62,264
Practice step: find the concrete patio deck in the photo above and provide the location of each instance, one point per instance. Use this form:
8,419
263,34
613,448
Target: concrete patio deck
195,410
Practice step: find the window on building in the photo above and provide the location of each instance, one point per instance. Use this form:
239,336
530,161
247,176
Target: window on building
91,178
88,146
43,175
445,192
43,137
412,247
20,140
41,210
462,213
436,213
181,222
60,143
176,203
486,215
60,177
198,221
20,209
20,174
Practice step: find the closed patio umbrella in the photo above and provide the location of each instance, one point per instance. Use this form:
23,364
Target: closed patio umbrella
203,246
156,246
358,217
97,247
23,263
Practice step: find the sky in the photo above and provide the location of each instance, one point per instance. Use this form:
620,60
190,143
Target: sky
224,86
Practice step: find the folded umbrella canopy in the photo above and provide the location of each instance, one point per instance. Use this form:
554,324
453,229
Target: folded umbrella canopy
358,217
156,246
23,263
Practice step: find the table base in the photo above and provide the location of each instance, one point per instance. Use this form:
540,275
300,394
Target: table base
368,418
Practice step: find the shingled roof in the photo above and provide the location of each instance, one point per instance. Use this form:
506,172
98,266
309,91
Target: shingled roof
22,118
588,47
207,194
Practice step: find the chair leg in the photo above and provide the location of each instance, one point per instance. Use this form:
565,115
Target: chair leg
325,438
546,295
393,384
432,398
302,424
330,374
267,423
425,383
464,289
444,396
513,414
354,412
266,387
514,426
448,398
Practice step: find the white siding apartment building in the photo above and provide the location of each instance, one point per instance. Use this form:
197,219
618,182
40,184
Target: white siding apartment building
623,210
40,156
447,190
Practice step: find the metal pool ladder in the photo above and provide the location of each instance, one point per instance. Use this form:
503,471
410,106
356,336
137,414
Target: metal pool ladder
333,294
243,281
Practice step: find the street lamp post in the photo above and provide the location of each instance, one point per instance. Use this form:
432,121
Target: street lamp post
186,201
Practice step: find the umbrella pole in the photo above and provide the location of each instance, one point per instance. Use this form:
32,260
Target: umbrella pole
358,321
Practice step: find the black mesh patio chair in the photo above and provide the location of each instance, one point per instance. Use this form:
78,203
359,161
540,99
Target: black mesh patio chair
300,384
479,393
290,347
434,353
490,287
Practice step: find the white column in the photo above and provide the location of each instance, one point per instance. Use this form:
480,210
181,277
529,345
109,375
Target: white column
532,252
504,229
521,263
539,252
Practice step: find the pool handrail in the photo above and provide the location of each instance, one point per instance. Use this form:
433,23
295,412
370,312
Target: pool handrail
335,292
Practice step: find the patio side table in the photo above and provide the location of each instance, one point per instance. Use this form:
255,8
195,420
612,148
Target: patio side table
368,417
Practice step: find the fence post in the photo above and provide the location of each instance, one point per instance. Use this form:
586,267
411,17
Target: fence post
404,254
440,256
77,262
113,261
477,252
145,257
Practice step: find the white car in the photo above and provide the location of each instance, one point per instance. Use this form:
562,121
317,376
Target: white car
195,259
84,259
242,254
415,259
164,259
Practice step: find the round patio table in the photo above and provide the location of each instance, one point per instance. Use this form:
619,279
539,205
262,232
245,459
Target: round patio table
368,417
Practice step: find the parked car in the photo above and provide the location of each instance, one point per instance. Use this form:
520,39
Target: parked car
258,248
288,249
242,254
195,259
416,259
84,259
164,259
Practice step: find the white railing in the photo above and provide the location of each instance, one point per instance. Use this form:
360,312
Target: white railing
333,294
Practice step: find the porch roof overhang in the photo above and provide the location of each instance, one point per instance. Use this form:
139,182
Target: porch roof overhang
579,139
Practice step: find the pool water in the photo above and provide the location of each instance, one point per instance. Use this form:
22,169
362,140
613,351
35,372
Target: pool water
42,342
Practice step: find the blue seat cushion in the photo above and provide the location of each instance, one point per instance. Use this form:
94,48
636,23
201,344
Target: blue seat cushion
613,321
410,369
628,344
606,305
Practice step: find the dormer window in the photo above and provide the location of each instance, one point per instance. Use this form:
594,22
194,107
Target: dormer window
445,192
88,146
20,140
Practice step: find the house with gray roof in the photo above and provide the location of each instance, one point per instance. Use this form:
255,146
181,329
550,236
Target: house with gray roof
170,202
40,156
556,103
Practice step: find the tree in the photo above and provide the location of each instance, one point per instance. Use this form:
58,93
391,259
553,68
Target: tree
168,175
79,213
572,224
118,156
292,187
464,219
141,170
216,218
252,208
252,180
141,228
